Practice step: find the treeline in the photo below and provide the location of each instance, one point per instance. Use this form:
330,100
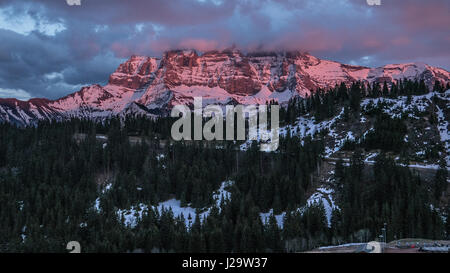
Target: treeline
50,181
392,194
324,104
279,181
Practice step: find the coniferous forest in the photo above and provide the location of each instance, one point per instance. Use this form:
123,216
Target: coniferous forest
54,175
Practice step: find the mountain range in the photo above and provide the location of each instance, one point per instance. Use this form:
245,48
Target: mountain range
152,86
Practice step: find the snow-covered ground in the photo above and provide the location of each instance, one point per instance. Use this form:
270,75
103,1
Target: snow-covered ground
399,106
303,127
97,205
443,131
107,188
278,217
370,159
23,235
21,204
322,195
217,95
308,126
132,215
343,245
160,157
424,166
222,194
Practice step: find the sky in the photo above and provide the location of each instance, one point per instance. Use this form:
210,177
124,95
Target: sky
50,48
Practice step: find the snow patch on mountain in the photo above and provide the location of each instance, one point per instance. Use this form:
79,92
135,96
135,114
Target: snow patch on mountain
399,106
279,217
322,196
222,77
131,216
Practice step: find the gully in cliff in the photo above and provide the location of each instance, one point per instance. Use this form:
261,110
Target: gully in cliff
256,116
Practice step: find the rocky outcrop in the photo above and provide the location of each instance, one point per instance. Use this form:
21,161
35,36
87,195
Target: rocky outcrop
134,73
146,85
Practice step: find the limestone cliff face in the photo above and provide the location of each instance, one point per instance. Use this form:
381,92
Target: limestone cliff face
148,85
134,73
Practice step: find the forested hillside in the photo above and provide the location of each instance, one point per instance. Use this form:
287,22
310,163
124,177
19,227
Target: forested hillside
124,185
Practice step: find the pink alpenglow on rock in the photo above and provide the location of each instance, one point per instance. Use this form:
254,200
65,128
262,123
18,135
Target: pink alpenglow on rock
152,86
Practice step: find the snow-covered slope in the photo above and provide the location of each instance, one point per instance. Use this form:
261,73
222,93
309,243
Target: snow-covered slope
423,133
132,215
146,86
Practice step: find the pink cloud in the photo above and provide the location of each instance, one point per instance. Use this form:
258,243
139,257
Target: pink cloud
372,42
121,50
199,44
401,41
421,15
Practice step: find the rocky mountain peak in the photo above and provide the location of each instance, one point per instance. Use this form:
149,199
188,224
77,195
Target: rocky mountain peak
135,72
221,76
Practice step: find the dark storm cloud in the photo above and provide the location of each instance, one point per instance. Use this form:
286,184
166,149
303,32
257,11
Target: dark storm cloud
50,49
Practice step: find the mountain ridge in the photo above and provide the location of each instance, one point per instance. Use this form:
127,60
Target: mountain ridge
147,85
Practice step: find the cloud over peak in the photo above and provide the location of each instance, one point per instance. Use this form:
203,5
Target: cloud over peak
84,43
